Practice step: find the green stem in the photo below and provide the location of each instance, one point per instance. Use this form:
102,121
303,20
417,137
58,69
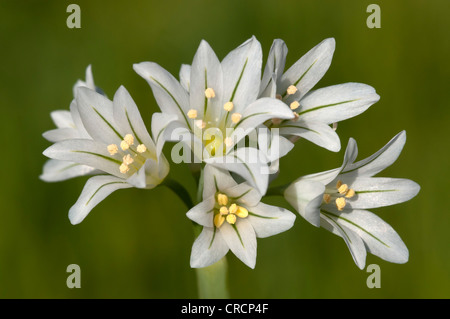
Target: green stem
212,281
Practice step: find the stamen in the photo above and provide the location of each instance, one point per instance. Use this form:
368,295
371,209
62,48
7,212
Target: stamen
228,106
222,199
209,93
129,139
343,189
296,116
338,184
236,117
242,212
218,220
291,90
231,219
326,198
233,209
127,159
335,126
279,97
228,141
223,210
340,203
141,148
192,114
351,192
200,124
124,145
124,168
112,149
294,105
276,121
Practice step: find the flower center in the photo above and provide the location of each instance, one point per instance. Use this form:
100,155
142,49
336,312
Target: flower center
338,194
132,157
226,210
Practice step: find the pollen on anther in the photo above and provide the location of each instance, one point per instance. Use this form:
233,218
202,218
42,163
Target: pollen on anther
340,203
351,192
291,90
223,210
236,117
124,145
127,159
209,93
233,209
242,212
141,148
228,106
343,189
222,199
129,139
326,198
231,219
228,141
112,149
218,220
192,114
294,105
124,168
200,124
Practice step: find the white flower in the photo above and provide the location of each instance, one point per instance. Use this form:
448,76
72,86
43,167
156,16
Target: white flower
314,110
337,200
232,217
69,126
215,106
119,145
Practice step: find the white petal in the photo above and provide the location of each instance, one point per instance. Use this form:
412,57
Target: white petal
374,192
77,120
243,194
208,248
62,119
96,112
96,189
86,152
242,74
129,120
269,220
275,65
249,163
319,133
61,134
171,97
160,121
306,197
185,76
354,243
241,239
203,213
272,144
336,103
377,162
309,69
56,171
216,179
206,72
379,237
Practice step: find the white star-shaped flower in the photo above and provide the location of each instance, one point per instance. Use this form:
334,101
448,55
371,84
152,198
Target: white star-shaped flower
337,201
233,216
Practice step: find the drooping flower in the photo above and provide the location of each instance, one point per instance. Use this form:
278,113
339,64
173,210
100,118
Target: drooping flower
215,106
337,201
313,111
233,216
68,126
119,146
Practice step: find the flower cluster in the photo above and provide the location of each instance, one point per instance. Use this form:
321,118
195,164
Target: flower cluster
232,121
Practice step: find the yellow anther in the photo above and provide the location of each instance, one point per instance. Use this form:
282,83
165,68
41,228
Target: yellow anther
233,209
124,168
276,121
291,90
192,114
223,210
296,116
127,159
338,184
218,220
279,97
231,219
236,117
242,212
129,139
200,124
228,141
209,93
141,148
340,203
326,198
222,199
350,193
228,106
112,149
343,189
294,105
124,145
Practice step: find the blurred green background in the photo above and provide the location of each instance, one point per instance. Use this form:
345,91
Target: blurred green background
136,243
